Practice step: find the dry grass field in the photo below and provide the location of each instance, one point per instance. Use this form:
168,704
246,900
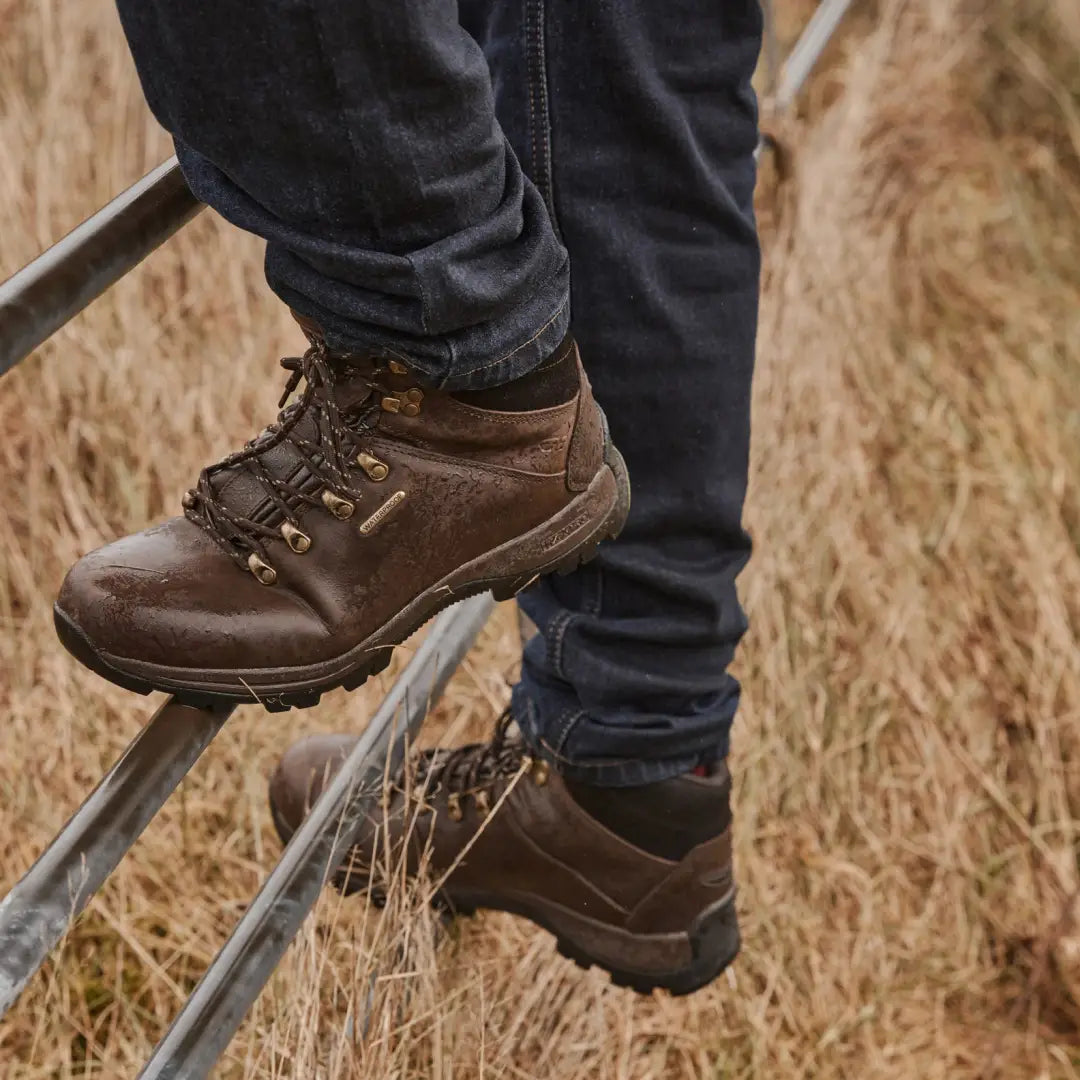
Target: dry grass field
908,757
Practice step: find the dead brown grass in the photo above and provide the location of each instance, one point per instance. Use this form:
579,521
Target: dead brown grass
908,758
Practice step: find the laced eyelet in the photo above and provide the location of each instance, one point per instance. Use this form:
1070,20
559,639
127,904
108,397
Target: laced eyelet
377,470
406,403
263,571
297,540
339,507
540,773
453,806
483,803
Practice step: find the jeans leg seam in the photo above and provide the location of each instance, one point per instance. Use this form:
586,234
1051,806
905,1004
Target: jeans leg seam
539,104
531,83
423,294
592,605
563,725
517,348
556,632
566,725
541,49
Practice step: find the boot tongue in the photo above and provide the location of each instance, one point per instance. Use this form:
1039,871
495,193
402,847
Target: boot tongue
351,369
245,495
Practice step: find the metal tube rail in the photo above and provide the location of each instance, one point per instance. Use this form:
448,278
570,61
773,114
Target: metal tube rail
213,1012
37,911
808,49
38,299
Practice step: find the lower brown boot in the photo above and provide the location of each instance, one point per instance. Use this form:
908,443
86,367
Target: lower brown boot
372,503
637,881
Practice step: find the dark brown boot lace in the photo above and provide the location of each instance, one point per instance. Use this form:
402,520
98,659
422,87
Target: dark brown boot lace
330,456
475,769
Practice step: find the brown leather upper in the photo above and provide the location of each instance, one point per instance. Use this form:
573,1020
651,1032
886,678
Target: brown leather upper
461,481
539,850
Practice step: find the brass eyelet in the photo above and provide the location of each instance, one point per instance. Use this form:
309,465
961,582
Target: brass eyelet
263,571
540,773
397,367
377,470
483,804
453,806
339,507
406,403
297,540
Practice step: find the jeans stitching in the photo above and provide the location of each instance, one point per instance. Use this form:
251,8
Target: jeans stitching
423,296
595,592
566,724
539,104
642,770
529,6
534,88
525,344
556,631
545,106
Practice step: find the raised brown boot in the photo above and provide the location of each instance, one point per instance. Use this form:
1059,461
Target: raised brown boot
371,504
635,880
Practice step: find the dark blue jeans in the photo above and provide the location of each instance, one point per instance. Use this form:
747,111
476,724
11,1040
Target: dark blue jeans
420,170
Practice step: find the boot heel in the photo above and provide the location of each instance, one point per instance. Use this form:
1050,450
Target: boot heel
715,942
715,939
614,461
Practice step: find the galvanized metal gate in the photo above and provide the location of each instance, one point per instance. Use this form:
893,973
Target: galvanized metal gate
36,302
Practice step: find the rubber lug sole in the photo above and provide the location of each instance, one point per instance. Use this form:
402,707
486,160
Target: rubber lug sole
715,942
79,645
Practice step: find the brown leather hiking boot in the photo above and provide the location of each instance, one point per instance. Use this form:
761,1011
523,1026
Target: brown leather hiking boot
635,880
371,504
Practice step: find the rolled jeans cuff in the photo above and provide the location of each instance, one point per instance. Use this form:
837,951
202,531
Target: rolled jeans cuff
554,734
477,308
470,359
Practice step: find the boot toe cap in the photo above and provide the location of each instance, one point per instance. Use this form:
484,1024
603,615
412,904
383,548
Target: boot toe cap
303,772
170,596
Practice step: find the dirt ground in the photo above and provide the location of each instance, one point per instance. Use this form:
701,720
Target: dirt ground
908,753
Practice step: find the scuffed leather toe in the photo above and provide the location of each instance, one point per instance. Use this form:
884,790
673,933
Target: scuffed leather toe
169,596
301,775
